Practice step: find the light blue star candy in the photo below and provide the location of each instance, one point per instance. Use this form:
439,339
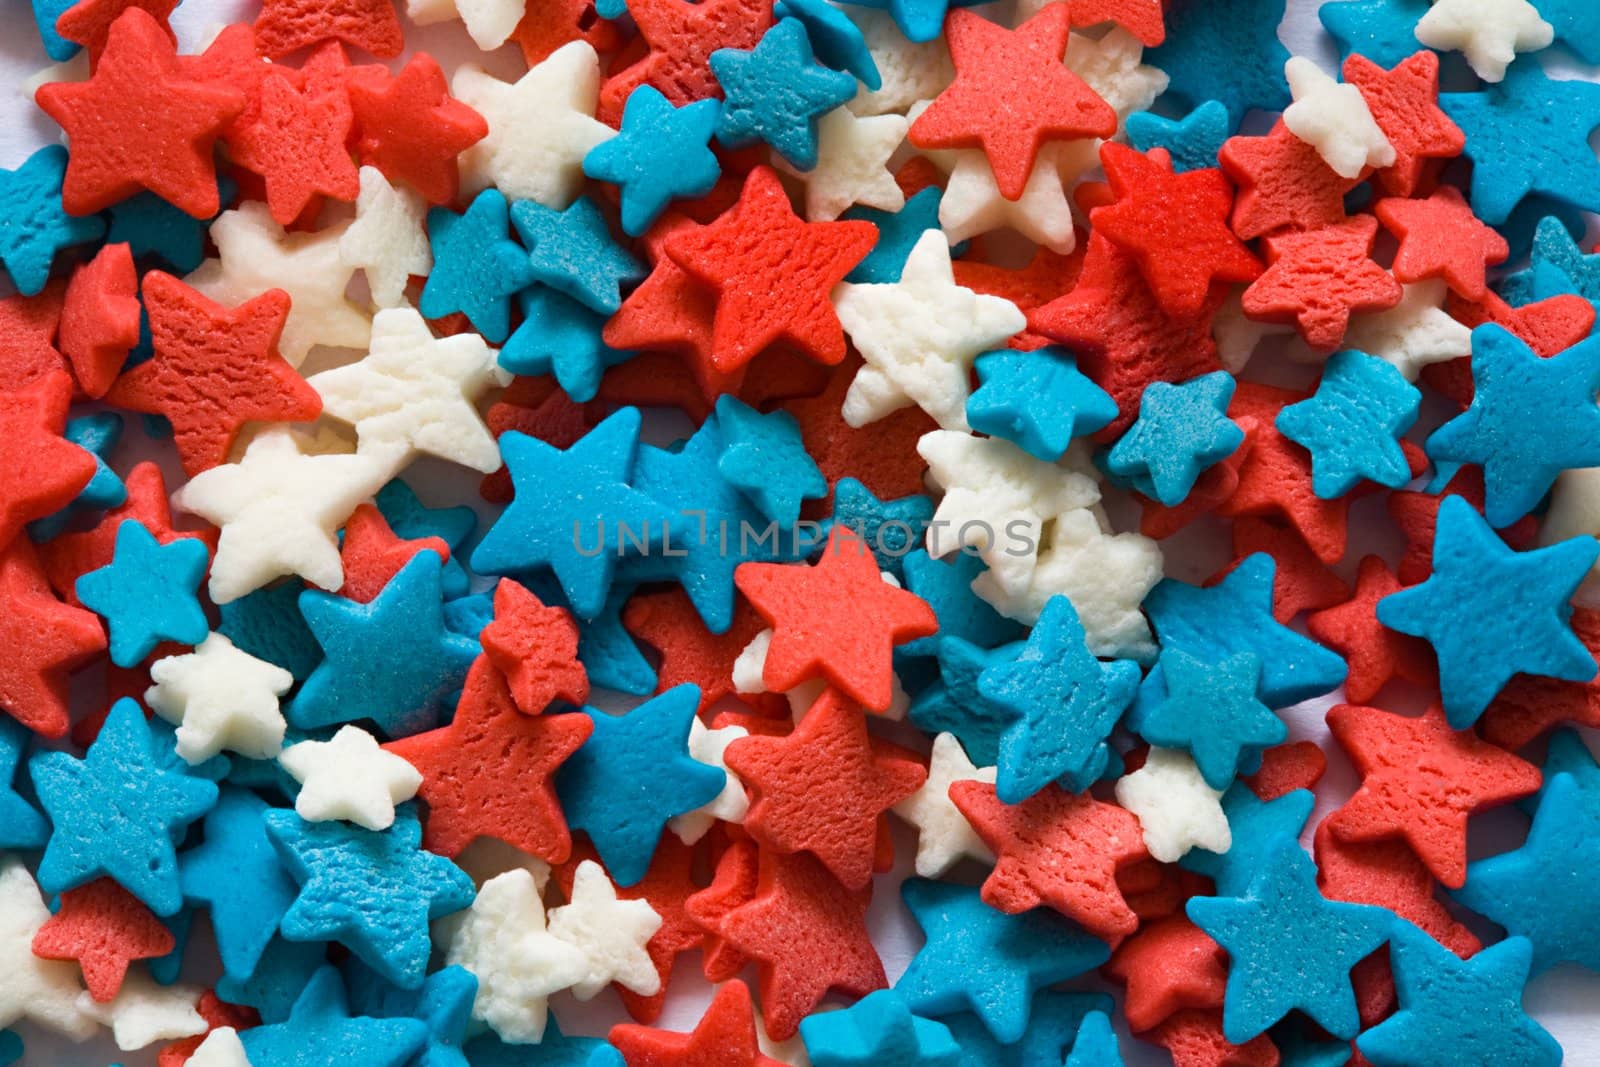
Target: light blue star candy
984,961
573,253
476,265
33,224
21,825
320,1030
1063,704
117,812
148,593
236,852
1577,25
1507,164
878,1031
392,660
659,154
154,229
1052,1028
946,586
372,891
1039,401
1096,1045
1382,30
443,1005
560,336
892,529
954,704
1193,141
1256,826
45,14
631,776
1235,615
1289,947
1208,709
278,979
411,520
1225,52
1353,423
898,233
776,92
837,40
1544,890
268,625
1181,430
555,1050
1567,753
764,458
1455,1011
1529,420
1491,612
568,508
1557,266
96,434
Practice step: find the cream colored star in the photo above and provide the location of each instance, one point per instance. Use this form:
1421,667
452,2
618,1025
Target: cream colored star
1334,119
143,1012
852,164
1412,334
387,241
349,777
1177,810
710,747
41,991
1111,67
908,71
220,697
610,933
1489,33
944,837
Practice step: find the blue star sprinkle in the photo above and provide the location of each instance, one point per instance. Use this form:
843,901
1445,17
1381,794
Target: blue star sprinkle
954,704
1193,141
1577,25
764,458
1385,31
268,625
34,226
1052,1028
1181,430
1256,825
892,529
1353,423
1096,1045
1208,709
838,42
946,586
572,252
321,1030
236,852
1224,52
476,265
155,230
660,153
560,336
1557,266
21,825
1039,401
148,593
776,93
878,1031
898,233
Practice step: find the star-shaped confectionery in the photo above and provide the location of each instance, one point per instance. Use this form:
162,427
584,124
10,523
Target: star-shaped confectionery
573,252
944,837
41,227
1318,278
1374,652
41,472
1416,333
776,93
46,640
1182,430
680,37
1353,423
1489,33
320,1024
372,553
1231,54
220,697
1440,237
147,593
387,239
660,153
1012,93
726,1033
286,26
1168,966
144,1012
103,928
100,318
1282,181
878,1029
1334,118
294,137
536,647
611,933
1381,30
1404,102
1038,400
411,128
349,777
1211,710
853,165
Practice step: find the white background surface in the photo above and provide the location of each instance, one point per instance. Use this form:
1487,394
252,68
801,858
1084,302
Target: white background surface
1566,1000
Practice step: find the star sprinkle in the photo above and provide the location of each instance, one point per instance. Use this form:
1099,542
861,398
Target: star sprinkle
660,153
1282,182
852,166
710,746
1197,34
387,241
1181,431
143,1012
1176,808
878,1029
1167,966
1489,33
573,253
147,594
294,137
1353,423
477,267
776,93
536,648
1192,142
1404,102
103,929
764,457
37,227
1318,278
320,1025
1334,119
236,851
727,1032
349,777
944,837
609,933
220,698
1209,710
1379,30
46,640
1038,400
972,204
1112,67
1414,334
410,128
1440,237
43,472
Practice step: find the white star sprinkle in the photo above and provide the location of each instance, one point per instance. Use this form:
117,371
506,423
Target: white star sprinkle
944,837
852,164
610,933
1489,33
387,241
1176,809
220,697
1334,119
143,1012
350,777
1414,333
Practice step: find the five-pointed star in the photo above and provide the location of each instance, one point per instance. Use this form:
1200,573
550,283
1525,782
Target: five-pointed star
278,508
919,336
350,777
610,933
944,837
710,746
1489,33
220,697
853,164
42,991
490,22
1412,334
1177,810
415,392
386,241
257,255
144,1012
910,70
540,126
1335,120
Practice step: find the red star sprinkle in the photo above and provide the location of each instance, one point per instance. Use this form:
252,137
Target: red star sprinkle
140,122
1374,652
1123,339
1404,102
1058,849
372,554
411,128
1440,237
1142,18
668,622
1175,226
837,620
807,934
1046,276
45,641
214,369
773,273
679,38
536,648
1283,184
89,22
1011,94
1421,781
1316,279
295,139
1168,966
1529,704
100,318
881,455
230,60
1547,326
217,1013
104,928
548,25
1157,890
286,26
733,883
824,788
1287,767
27,336
489,772
725,1036
1387,874
1300,581
1194,1038
40,471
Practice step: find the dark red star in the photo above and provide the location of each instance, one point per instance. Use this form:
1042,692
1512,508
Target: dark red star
1404,103
1440,237
1168,966
1283,183
286,26
372,554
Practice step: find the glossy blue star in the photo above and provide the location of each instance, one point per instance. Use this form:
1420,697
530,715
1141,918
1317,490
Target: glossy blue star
392,660
1289,947
1353,423
1096,1045
954,705
878,1031
556,1050
320,1030
898,233
1257,825
411,520
1507,164
117,811
837,40
1491,612
282,973
572,252
1039,401
443,1004
155,230
764,457
97,435
776,92
1577,25
1543,891
236,852
1558,265
1235,615
1530,419
946,585
1052,1027
1210,710
892,529
45,13
984,961
560,336
1181,430
268,625
919,20
21,825
476,265
1201,34
372,891
1382,30
659,154
1455,1011
33,224
1193,140
569,509
1062,702
148,593
631,776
